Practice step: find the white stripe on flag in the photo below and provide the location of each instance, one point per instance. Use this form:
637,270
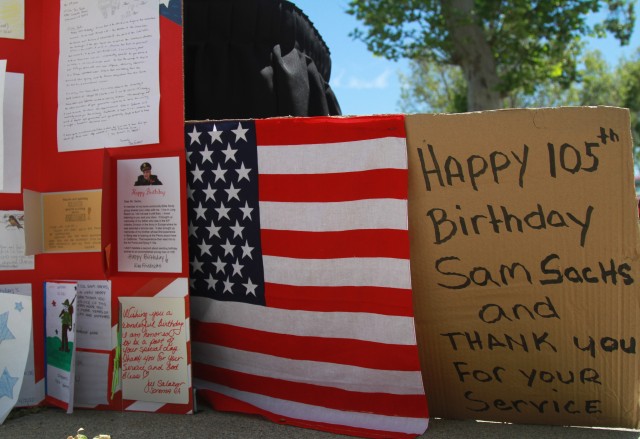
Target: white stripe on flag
178,288
328,158
145,406
351,272
339,376
358,326
306,412
382,213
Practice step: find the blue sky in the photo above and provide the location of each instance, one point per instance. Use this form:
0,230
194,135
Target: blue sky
365,84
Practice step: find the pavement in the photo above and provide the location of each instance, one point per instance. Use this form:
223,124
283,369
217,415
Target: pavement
53,423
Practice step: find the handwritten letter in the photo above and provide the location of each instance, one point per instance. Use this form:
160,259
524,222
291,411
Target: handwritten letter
71,221
154,350
149,215
108,81
93,329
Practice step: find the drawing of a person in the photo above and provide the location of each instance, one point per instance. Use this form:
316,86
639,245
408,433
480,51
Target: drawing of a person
66,318
147,178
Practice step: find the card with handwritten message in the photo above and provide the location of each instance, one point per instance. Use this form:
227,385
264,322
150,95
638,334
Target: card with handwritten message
154,349
61,222
12,242
149,223
60,332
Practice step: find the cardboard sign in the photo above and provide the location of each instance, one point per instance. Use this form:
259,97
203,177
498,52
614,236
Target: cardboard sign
524,255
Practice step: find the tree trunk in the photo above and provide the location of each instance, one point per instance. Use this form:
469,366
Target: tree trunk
471,51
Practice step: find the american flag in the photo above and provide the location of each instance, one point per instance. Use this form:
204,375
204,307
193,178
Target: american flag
300,281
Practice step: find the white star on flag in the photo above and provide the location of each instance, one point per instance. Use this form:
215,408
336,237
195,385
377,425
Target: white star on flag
219,173
197,174
211,282
228,285
237,268
228,248
193,229
220,265
196,265
213,230
215,135
229,153
246,250
206,155
251,287
232,193
240,132
210,192
195,136
243,173
223,211
237,229
246,211
204,248
200,211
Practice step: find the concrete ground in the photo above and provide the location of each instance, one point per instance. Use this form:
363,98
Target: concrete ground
53,423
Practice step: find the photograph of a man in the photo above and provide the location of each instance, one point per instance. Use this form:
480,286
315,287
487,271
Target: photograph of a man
147,178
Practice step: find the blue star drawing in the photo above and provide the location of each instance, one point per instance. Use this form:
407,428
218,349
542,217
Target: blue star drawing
5,334
19,306
7,382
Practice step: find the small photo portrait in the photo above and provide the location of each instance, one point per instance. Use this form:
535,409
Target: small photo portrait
147,178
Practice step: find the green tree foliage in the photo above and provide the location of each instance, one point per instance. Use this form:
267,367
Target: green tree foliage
430,88
501,47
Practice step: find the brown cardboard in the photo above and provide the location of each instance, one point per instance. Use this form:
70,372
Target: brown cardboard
590,220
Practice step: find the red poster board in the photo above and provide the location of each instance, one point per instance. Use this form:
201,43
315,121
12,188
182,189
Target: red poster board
44,169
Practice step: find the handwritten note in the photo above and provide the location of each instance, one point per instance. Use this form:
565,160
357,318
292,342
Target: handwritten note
71,221
149,237
524,250
93,320
108,81
154,350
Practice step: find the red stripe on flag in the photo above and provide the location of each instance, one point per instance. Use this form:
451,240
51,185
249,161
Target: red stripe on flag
225,403
363,243
317,130
376,300
347,186
411,406
330,350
